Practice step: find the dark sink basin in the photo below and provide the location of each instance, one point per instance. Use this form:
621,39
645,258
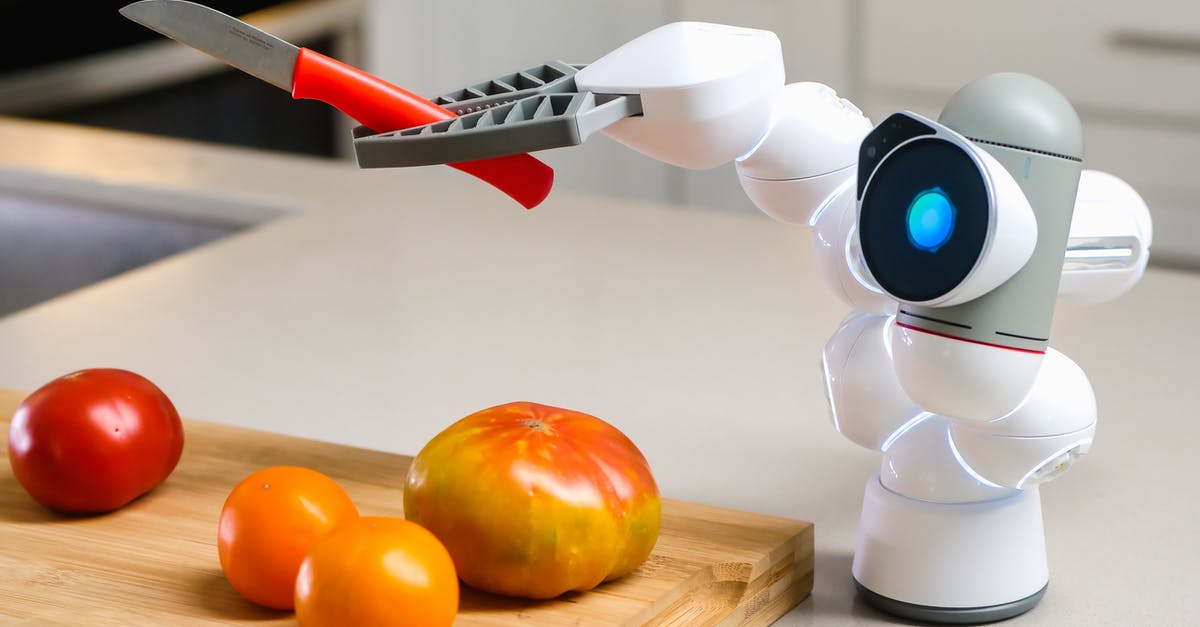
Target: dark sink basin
50,246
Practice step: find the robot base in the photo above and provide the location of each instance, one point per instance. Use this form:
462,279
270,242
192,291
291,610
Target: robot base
951,562
949,615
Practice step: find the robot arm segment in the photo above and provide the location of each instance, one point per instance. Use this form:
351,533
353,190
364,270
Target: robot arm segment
706,90
1051,428
1109,243
1039,440
806,155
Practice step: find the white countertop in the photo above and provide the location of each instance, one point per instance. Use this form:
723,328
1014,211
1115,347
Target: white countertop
374,308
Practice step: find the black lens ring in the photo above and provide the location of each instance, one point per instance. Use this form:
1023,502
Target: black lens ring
907,272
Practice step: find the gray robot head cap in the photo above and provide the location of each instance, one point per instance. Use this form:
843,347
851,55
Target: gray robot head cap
1016,110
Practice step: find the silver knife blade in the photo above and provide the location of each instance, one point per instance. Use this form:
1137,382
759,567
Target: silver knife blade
227,38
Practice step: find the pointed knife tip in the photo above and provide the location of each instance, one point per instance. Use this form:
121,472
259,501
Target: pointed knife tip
133,7
129,9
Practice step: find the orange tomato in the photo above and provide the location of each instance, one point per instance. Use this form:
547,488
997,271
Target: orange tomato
533,501
378,571
269,523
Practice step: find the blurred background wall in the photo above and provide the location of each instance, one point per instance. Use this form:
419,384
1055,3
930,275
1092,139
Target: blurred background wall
1131,69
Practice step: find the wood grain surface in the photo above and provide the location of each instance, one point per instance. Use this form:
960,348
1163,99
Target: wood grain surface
154,562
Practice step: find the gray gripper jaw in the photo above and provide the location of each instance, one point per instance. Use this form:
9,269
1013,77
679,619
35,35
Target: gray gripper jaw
548,78
535,109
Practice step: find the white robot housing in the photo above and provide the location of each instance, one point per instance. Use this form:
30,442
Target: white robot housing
950,240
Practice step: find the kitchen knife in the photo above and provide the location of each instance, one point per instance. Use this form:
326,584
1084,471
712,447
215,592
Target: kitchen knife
375,103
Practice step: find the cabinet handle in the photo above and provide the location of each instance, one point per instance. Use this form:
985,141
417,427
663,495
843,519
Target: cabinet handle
1155,42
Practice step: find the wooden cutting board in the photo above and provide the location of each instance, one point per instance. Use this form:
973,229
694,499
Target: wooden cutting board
154,562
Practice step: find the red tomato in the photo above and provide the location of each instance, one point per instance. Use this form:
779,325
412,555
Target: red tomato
534,501
269,522
377,571
94,440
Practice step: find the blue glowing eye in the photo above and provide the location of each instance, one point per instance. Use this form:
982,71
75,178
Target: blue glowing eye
930,220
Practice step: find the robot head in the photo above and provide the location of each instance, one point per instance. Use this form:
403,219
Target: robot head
940,221
965,221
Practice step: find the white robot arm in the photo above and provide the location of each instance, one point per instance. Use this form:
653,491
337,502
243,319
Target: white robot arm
951,240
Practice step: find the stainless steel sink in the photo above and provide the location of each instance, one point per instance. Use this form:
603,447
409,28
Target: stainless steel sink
50,245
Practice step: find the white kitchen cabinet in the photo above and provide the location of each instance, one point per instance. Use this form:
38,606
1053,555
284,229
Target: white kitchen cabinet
1132,70
1125,59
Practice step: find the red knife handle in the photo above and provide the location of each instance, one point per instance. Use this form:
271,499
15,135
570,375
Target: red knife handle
382,106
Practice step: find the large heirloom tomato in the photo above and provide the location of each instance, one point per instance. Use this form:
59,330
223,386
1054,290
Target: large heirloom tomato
92,441
533,501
